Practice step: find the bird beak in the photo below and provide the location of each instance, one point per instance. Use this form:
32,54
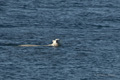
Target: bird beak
57,39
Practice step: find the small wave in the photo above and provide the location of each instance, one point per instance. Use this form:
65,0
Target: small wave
9,44
2,3
100,26
6,26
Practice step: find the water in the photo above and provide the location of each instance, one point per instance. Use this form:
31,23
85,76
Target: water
88,29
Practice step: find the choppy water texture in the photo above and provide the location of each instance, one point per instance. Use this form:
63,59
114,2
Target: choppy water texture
89,31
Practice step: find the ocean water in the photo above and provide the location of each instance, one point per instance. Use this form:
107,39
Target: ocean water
89,33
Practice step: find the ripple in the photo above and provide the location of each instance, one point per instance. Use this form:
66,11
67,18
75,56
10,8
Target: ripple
6,26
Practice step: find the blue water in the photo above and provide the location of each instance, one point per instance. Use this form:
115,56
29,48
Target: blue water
89,33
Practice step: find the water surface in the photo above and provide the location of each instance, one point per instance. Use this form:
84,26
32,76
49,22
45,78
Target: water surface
88,30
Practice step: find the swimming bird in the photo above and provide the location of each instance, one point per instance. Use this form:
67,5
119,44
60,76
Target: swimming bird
55,43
